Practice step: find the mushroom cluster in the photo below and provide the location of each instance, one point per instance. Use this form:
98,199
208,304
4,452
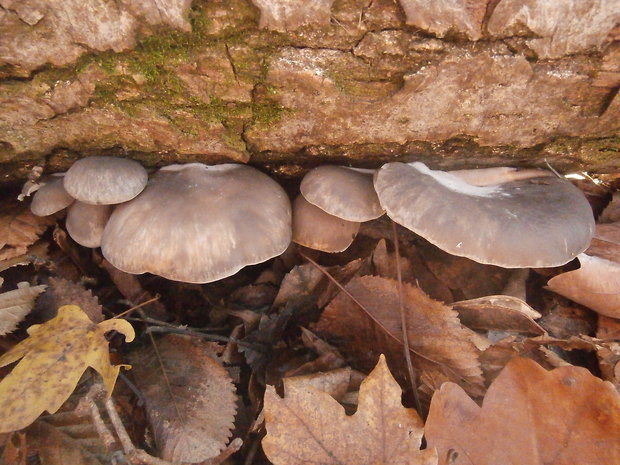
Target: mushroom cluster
198,223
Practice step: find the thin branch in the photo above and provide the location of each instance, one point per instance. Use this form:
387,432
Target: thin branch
403,322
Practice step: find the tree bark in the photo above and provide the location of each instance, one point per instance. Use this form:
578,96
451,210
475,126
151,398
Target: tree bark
291,84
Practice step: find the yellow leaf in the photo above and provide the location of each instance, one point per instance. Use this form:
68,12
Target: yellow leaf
309,427
54,358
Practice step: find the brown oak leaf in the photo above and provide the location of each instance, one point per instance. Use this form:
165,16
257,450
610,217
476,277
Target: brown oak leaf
529,416
308,426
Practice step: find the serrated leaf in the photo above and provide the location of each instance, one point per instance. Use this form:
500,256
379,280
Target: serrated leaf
308,426
441,348
15,305
192,418
54,358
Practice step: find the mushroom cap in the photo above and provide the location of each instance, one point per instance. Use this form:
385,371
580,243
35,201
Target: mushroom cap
536,222
105,180
317,229
50,198
197,223
347,193
85,223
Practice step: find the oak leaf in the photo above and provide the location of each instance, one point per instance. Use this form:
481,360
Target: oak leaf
192,417
308,426
54,358
441,347
529,416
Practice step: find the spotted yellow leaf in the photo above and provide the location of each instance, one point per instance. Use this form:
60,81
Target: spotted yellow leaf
54,358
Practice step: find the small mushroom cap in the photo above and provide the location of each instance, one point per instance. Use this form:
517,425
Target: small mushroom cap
85,223
105,180
197,223
317,229
536,222
343,192
50,198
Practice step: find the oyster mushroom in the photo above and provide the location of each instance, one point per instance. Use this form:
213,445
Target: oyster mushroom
539,221
51,197
197,223
317,229
105,180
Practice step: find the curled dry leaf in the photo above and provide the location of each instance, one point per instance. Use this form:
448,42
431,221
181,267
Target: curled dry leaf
529,417
191,418
15,305
19,228
606,242
442,349
54,358
596,284
498,313
333,382
308,426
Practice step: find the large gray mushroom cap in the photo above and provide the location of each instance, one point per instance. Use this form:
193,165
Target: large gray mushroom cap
50,198
105,180
536,222
317,229
344,192
196,223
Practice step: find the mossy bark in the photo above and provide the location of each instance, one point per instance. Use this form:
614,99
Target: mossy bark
226,89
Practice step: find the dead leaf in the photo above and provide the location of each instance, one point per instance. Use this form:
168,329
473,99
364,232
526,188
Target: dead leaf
596,284
306,280
529,417
19,228
64,292
333,382
441,347
15,305
498,313
196,422
612,212
308,426
56,444
606,242
413,271
35,254
15,450
466,279
54,358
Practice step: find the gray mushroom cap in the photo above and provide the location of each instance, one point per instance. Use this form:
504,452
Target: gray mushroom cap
105,180
317,229
347,193
197,223
535,222
50,198
85,223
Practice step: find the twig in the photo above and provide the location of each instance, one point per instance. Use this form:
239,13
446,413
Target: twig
403,323
209,337
146,302
136,456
